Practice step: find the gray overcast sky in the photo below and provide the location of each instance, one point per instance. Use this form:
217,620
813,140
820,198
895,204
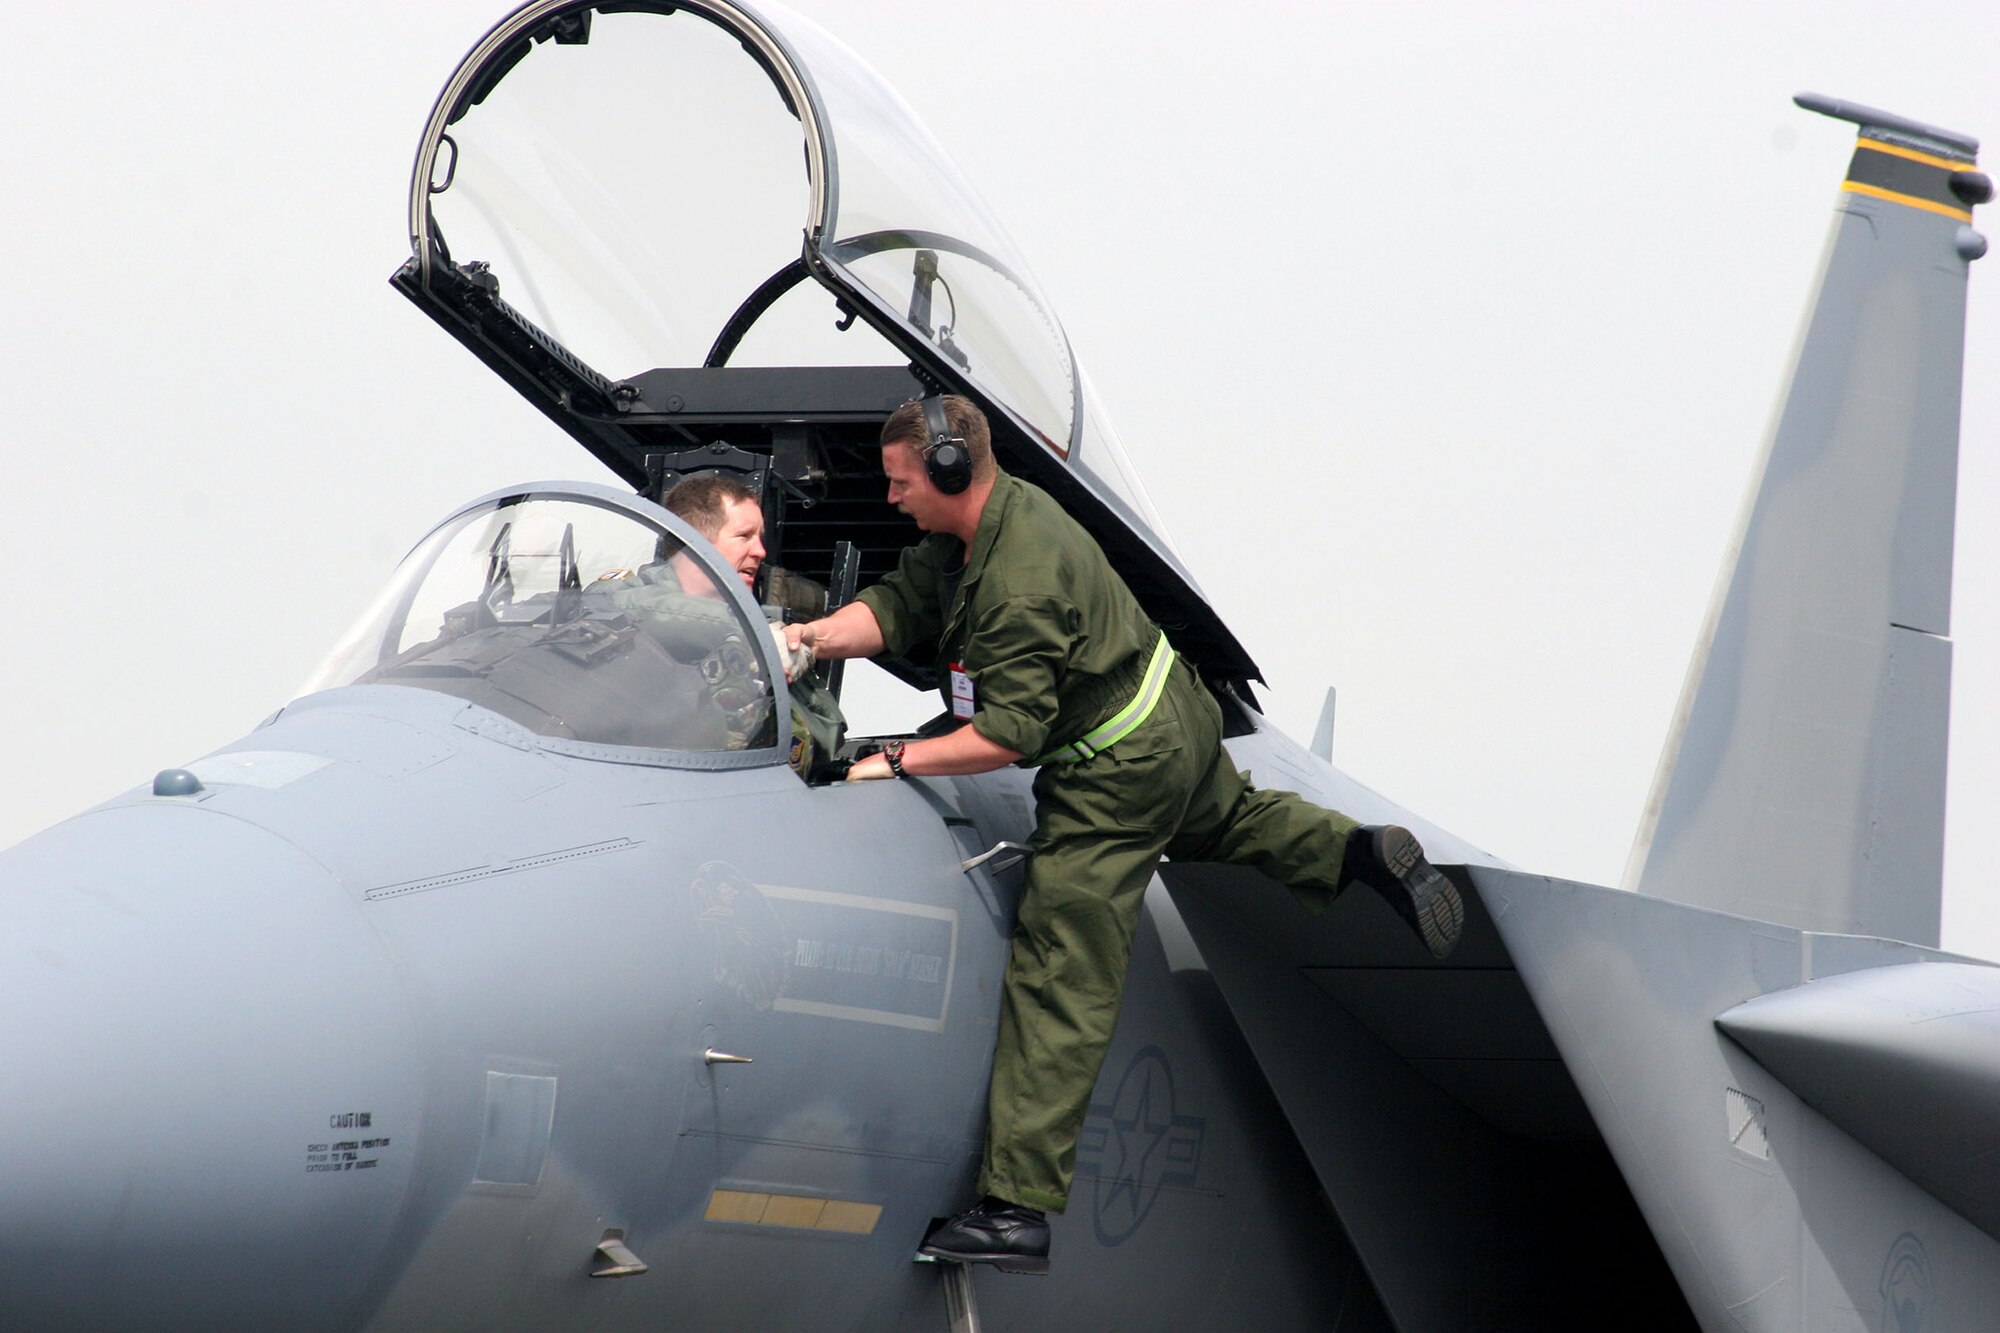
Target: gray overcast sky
1444,337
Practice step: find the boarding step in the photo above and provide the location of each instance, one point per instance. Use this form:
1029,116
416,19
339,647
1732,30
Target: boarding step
961,1313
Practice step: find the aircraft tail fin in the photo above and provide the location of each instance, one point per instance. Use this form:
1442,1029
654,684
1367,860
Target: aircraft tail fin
1803,777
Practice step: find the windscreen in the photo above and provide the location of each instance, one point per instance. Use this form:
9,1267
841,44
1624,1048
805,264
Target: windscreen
574,619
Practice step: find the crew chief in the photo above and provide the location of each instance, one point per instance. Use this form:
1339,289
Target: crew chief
1049,658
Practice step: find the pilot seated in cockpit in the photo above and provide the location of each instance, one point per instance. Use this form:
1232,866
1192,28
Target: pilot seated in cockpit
727,512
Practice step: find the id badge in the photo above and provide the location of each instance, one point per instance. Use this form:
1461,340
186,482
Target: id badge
961,692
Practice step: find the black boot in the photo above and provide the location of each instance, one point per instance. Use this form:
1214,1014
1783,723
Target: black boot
993,1231
1389,859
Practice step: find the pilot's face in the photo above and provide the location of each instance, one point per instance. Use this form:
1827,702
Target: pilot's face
910,488
741,539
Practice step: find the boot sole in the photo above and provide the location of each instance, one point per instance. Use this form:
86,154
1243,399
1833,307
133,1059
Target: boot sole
1026,1264
1440,911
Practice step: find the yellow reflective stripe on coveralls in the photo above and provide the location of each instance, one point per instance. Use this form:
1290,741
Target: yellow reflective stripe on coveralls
1127,719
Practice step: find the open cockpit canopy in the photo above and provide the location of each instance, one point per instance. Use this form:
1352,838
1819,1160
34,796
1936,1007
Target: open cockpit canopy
608,208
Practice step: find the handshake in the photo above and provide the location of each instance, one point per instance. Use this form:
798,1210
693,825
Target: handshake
795,653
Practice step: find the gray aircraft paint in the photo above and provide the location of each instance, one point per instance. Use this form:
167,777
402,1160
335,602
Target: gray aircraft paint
406,1011
1810,738
1927,1031
1783,1225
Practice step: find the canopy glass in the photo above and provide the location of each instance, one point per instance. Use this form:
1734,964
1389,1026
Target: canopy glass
590,619
632,181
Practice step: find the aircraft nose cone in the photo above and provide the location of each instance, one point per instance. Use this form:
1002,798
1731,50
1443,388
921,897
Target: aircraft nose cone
208,1110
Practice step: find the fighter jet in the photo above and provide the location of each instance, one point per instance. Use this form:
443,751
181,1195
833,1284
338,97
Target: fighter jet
521,973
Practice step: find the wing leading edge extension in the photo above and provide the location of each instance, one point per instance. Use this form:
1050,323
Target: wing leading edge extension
1803,778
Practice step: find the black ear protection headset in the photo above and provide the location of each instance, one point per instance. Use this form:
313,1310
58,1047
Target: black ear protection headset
947,461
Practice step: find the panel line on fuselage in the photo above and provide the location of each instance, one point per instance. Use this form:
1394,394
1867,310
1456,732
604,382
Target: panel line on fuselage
505,868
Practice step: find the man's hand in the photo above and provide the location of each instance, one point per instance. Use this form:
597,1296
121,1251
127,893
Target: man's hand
869,768
795,652
849,632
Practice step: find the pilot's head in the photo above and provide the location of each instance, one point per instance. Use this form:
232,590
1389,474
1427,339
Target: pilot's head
725,511
904,444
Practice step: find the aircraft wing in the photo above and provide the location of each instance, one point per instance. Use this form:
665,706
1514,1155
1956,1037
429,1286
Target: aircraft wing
1672,1115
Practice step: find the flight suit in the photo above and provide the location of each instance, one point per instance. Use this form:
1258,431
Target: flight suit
1054,645
694,627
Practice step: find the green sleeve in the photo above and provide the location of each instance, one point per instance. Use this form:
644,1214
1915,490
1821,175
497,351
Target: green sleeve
688,627
1019,653
905,603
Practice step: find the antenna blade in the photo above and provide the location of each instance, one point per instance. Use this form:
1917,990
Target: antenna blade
1323,733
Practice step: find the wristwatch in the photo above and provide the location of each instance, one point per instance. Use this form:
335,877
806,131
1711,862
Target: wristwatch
893,752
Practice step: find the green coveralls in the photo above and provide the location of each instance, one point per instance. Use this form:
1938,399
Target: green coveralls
1055,644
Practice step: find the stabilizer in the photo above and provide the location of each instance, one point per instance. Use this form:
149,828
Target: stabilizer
1803,778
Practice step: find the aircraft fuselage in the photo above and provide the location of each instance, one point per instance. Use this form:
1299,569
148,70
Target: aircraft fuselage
394,1020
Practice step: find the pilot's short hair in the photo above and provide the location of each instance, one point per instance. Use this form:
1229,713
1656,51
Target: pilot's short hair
704,500
906,426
